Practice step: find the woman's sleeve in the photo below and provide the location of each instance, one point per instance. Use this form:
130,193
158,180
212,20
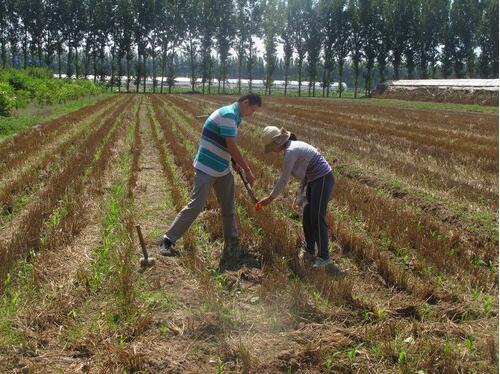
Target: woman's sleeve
288,164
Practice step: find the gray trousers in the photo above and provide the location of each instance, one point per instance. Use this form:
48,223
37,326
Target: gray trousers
224,191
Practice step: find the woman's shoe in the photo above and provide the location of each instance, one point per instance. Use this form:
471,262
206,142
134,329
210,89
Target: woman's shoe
321,262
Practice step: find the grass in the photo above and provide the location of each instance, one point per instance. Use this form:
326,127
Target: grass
348,95
34,114
406,104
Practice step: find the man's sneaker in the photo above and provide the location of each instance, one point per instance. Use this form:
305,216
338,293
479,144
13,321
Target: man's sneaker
321,262
166,247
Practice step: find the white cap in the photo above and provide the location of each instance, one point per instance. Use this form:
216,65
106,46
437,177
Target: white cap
273,138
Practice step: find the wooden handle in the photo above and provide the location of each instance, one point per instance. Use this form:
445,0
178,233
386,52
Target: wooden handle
141,240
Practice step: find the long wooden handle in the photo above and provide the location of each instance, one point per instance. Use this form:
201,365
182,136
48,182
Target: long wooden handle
248,188
141,240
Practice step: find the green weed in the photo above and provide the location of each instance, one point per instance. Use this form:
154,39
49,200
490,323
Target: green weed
159,299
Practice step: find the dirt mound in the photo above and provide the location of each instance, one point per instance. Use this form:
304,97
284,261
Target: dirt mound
438,94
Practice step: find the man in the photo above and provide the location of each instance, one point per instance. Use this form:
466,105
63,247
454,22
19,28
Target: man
212,169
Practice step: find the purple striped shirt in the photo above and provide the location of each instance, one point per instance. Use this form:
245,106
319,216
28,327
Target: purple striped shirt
317,168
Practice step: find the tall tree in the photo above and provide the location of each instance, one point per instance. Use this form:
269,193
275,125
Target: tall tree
299,29
114,32
448,50
381,18
125,20
154,33
191,41
370,39
398,29
142,18
488,40
36,29
242,33
464,19
313,45
26,15
75,27
357,40
273,10
411,29
342,41
225,29
3,33
207,27
286,39
327,17
254,18
432,16
52,34
104,23
172,33
90,35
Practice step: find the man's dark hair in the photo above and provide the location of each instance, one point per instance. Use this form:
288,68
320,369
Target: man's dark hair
252,98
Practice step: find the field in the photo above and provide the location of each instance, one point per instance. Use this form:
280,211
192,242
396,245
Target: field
413,223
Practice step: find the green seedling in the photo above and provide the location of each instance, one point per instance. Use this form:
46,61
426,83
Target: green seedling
488,304
469,343
380,313
164,329
440,278
329,360
221,367
401,357
426,310
353,352
475,294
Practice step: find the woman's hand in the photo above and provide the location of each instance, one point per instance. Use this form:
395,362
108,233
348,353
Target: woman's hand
265,201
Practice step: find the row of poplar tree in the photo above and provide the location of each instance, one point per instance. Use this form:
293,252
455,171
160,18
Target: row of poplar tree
140,38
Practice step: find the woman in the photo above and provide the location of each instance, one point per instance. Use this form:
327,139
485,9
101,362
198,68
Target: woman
305,163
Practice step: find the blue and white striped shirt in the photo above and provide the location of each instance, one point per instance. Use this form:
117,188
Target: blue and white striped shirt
213,157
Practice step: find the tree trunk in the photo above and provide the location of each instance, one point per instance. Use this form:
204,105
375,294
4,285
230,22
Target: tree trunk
128,70
286,78
25,48
76,62
300,76
120,71
153,56
69,70
4,55
112,83
240,63
59,64
163,71
356,80
341,74
94,58
144,74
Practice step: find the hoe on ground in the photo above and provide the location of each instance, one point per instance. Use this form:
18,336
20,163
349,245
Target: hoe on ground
145,261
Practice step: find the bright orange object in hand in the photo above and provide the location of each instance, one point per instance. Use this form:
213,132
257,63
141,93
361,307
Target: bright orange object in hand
258,206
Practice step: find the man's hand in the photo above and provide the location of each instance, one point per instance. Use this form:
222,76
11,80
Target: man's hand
239,160
265,201
237,168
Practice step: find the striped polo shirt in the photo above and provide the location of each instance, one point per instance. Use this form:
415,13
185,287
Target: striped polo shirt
213,157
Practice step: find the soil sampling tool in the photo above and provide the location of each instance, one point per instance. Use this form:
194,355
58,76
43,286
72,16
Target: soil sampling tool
146,261
249,191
